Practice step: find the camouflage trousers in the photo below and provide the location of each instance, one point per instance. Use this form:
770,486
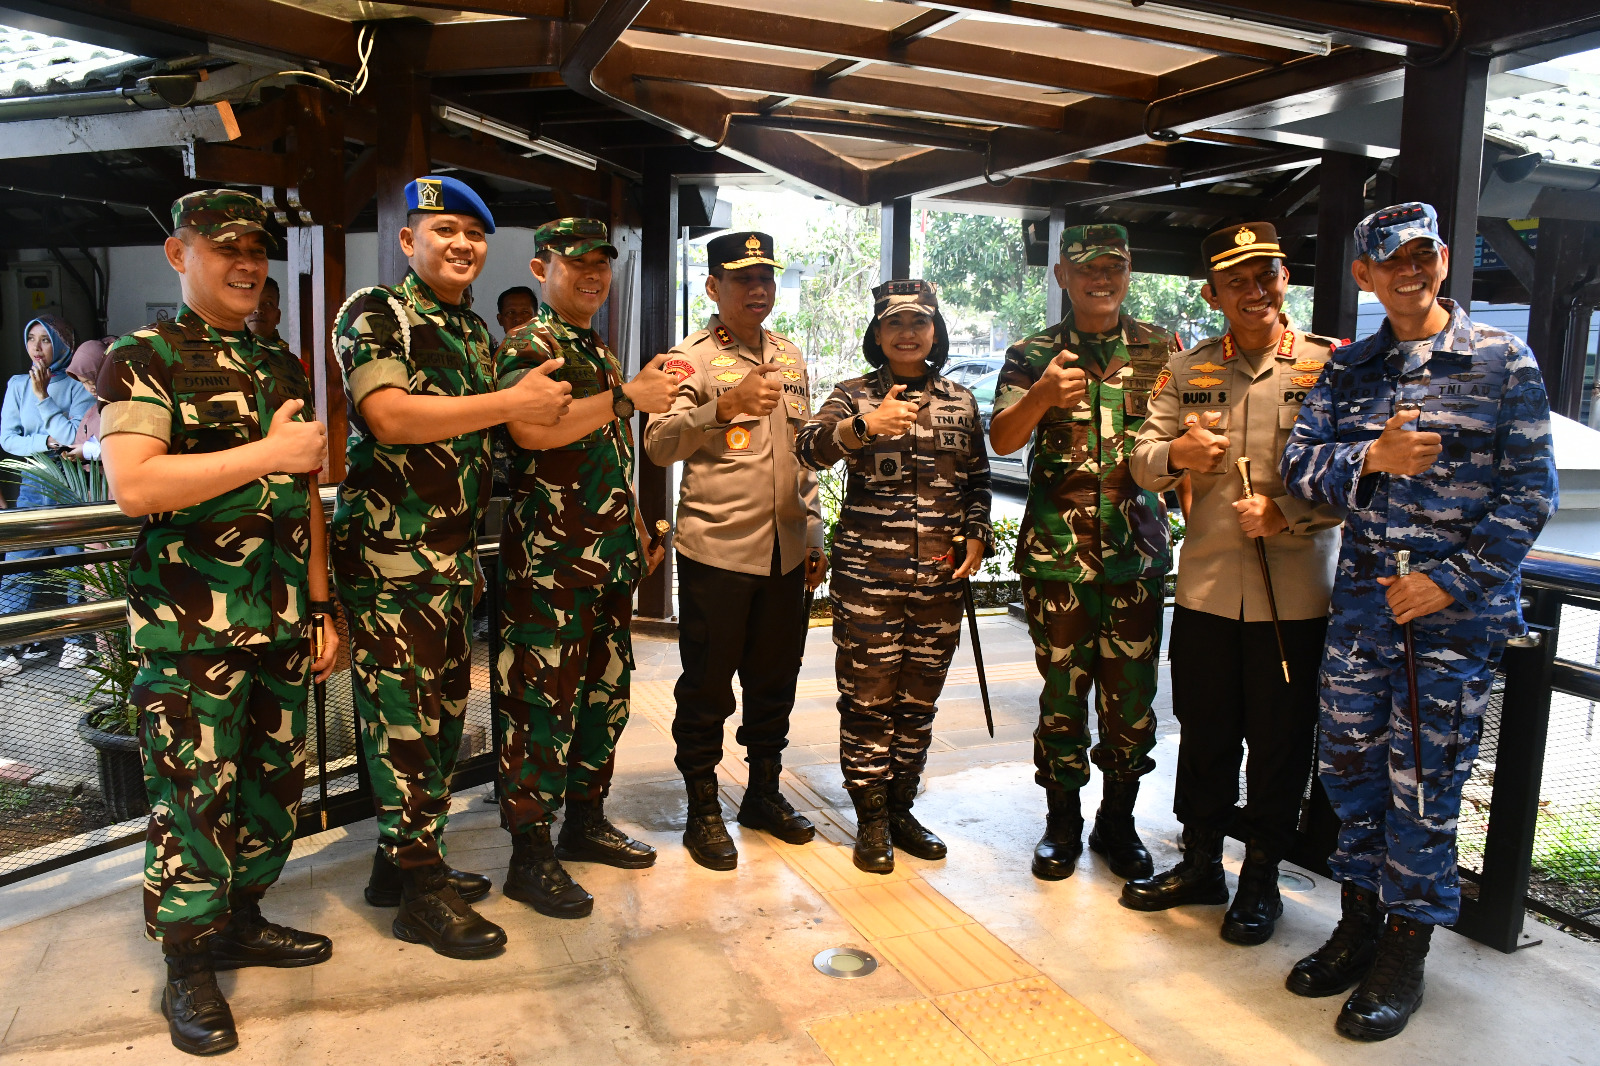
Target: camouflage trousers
410,674
565,660
1101,634
223,736
895,644
1366,762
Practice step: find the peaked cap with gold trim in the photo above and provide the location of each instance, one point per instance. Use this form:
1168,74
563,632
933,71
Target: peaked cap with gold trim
742,248
1234,244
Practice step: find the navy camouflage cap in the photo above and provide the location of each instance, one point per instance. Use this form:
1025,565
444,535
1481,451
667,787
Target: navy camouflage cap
1380,234
914,295
448,196
574,236
731,251
1079,244
222,214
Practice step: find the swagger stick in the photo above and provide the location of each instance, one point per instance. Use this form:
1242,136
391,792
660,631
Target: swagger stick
319,691
1266,572
1402,566
959,542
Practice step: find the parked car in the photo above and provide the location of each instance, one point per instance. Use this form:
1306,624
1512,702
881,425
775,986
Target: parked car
965,369
1010,468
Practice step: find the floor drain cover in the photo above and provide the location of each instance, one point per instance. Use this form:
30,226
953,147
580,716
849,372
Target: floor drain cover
1294,882
845,963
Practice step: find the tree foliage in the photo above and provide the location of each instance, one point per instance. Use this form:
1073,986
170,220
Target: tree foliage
981,268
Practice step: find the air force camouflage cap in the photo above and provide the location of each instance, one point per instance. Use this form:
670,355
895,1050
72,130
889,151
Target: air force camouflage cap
1079,244
448,196
222,215
1380,234
913,295
574,236
1234,244
731,251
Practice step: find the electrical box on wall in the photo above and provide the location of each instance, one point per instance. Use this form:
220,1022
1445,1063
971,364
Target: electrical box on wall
31,288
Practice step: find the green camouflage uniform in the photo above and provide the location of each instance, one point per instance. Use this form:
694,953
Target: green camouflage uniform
217,608
1092,552
403,550
571,555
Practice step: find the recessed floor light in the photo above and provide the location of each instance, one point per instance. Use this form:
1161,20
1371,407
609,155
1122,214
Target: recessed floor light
845,963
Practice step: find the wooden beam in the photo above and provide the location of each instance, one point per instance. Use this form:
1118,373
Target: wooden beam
401,132
229,165
1496,27
480,48
117,133
1339,207
658,290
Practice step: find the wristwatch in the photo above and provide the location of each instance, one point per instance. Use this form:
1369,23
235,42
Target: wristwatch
621,406
859,425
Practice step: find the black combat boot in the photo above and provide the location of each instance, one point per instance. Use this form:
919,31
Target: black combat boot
706,836
383,886
905,832
874,852
765,808
1257,905
1198,877
1392,990
433,913
250,940
1113,837
1056,854
587,835
1348,954
537,878
197,1014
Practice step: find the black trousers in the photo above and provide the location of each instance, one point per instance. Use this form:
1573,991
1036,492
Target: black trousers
732,623
1227,691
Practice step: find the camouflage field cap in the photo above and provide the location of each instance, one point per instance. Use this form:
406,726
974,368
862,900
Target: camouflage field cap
574,236
1079,244
1234,244
912,295
222,214
1380,234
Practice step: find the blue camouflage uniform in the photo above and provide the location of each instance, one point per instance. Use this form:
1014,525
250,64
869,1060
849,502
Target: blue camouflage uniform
1468,521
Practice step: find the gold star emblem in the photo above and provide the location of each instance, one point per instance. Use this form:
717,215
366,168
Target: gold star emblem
1244,236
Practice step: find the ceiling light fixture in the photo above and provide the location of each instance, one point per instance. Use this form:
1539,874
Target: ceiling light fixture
1217,25
517,136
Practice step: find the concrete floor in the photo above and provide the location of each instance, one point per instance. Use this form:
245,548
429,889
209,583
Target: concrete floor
682,965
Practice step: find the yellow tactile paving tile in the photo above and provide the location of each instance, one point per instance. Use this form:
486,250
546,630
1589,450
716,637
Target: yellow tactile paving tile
1024,1020
897,908
801,794
913,1034
993,673
1116,1052
833,828
956,959
828,867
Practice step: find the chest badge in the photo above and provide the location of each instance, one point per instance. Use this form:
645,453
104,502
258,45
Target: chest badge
723,360
1207,367
786,360
738,439
729,376
1305,381
791,375
1305,364
1205,381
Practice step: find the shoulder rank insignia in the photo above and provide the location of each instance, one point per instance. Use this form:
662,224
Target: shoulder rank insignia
1207,367
1161,383
791,375
723,360
729,375
786,360
724,338
680,369
1306,364
1205,381
1305,381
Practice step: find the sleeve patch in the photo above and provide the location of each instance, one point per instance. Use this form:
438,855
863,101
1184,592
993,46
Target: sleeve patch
680,369
1161,383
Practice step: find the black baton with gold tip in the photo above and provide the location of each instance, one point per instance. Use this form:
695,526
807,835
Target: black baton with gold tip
958,547
1266,573
1402,569
319,691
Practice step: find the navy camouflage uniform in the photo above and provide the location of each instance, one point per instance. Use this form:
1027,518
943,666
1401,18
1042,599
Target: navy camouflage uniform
1468,522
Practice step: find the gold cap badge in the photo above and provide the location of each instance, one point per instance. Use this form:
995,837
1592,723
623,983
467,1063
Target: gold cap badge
1244,237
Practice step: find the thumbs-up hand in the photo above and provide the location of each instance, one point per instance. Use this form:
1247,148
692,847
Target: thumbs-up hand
754,395
893,416
652,390
298,447
537,398
1401,449
1200,449
1062,385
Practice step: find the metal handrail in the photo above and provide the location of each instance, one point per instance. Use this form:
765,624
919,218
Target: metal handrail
56,527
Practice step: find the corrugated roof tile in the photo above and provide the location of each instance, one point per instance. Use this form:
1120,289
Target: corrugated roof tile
33,63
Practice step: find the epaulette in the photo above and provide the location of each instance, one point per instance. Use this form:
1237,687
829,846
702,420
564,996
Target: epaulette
697,337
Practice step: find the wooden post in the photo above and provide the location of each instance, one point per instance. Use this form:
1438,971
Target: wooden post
894,233
658,292
1339,208
402,141
1441,154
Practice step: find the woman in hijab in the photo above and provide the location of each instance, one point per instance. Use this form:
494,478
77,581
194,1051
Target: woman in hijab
41,415
85,369
913,526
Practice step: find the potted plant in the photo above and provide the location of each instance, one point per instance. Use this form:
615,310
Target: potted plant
111,725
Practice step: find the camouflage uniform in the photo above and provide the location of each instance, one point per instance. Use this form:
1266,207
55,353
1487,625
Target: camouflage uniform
1468,521
1092,552
896,612
217,607
571,556
403,549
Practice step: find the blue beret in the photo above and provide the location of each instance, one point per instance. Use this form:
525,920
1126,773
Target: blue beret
448,196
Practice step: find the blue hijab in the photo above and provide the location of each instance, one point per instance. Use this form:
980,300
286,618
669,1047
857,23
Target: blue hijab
61,340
